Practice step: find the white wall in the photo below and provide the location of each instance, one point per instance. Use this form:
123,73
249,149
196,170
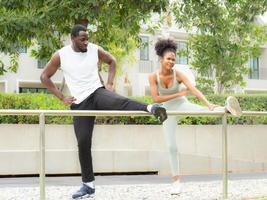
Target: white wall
133,148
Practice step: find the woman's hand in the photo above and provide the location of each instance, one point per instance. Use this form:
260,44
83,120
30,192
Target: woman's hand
183,92
212,106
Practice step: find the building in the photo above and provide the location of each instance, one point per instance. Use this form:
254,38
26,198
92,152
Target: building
147,62
134,80
27,78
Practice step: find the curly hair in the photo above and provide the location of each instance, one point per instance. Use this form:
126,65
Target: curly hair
164,45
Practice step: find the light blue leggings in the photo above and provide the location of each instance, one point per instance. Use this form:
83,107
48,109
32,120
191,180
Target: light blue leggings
169,127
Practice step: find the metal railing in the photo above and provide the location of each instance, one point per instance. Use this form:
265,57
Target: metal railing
43,113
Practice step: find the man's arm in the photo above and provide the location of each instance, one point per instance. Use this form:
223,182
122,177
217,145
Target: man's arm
111,61
50,69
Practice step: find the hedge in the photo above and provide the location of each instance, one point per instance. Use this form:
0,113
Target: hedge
49,102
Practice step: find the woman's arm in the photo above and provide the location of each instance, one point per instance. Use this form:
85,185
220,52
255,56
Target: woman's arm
155,94
182,78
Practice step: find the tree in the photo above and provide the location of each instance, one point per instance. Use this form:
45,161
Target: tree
226,37
45,24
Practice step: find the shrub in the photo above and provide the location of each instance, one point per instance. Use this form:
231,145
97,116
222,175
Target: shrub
32,102
49,102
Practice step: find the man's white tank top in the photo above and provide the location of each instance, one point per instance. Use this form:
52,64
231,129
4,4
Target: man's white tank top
80,71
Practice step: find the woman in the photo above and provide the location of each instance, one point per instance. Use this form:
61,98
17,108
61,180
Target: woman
164,86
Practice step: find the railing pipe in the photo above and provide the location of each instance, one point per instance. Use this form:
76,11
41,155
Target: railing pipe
225,156
42,156
43,113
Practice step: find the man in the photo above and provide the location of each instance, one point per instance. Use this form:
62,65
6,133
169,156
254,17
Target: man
79,63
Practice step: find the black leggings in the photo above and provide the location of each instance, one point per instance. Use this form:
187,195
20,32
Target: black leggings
101,99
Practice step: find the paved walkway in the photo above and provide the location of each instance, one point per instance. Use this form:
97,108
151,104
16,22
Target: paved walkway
138,187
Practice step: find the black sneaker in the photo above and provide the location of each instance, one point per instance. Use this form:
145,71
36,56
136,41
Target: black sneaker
84,192
159,112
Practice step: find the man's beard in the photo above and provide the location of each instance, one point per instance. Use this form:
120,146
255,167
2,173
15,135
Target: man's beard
83,50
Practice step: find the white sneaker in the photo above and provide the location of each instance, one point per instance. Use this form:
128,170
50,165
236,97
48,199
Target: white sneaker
232,106
176,188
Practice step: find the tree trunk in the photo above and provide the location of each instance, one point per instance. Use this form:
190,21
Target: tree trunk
83,22
219,87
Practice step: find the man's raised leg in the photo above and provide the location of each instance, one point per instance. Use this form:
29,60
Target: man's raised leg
107,100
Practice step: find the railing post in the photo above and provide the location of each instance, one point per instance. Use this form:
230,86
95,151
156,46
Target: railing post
42,156
225,156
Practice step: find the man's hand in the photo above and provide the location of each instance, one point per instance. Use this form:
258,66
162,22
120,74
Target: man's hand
109,87
68,100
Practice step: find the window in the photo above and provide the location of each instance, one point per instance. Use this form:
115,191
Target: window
2,87
182,51
41,63
254,68
144,48
22,49
32,90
